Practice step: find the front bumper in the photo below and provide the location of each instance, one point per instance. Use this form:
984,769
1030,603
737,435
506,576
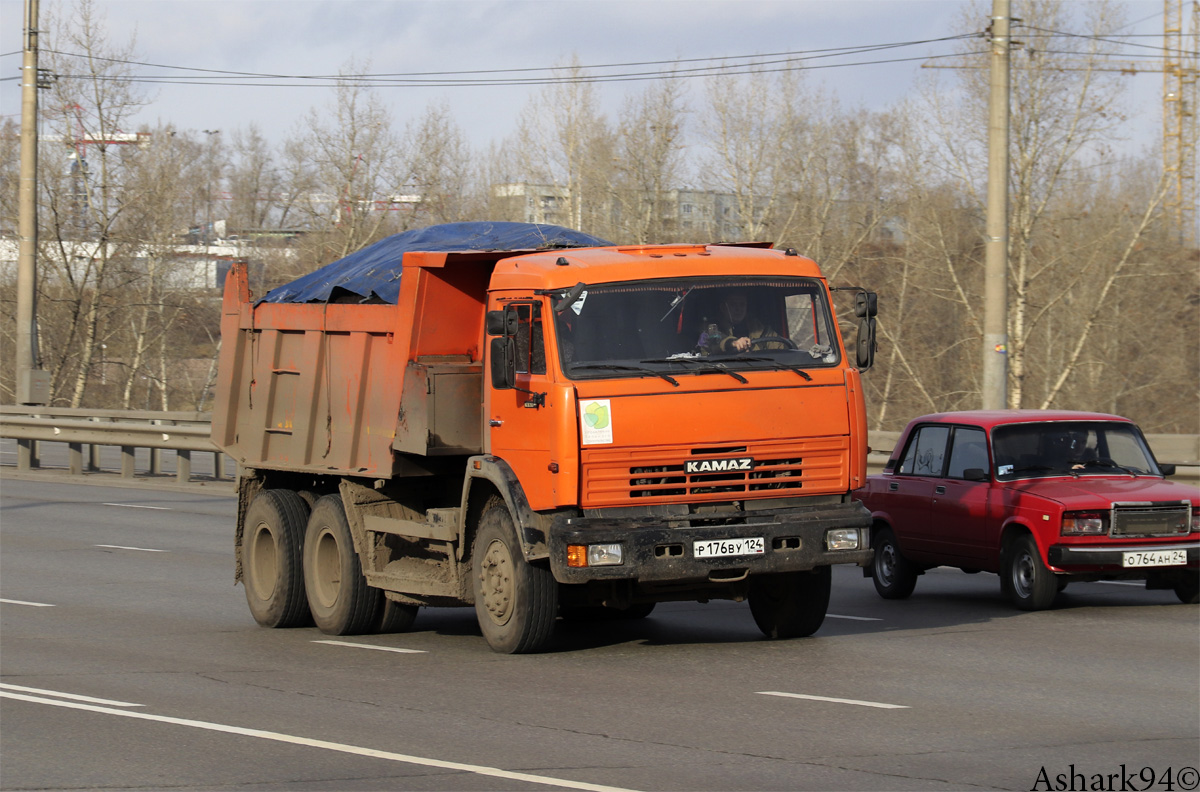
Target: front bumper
1069,558
660,550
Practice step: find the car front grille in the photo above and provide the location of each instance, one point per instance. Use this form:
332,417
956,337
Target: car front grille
1151,519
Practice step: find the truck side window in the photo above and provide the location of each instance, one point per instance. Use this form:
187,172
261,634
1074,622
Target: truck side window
531,349
926,452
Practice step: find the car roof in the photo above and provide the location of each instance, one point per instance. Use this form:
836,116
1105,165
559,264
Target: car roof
990,418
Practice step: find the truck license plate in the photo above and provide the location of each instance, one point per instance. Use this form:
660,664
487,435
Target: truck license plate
1154,558
729,547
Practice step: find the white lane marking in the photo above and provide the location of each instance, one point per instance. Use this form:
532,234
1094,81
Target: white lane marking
421,761
139,549
30,604
369,646
72,696
136,506
853,618
1121,582
876,704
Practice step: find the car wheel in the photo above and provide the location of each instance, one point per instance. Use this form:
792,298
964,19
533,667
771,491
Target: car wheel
1188,588
1025,579
895,576
790,604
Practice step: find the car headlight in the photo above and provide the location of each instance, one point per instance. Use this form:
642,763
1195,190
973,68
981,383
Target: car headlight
1084,524
841,539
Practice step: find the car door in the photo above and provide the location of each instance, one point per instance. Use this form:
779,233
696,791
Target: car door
909,491
958,508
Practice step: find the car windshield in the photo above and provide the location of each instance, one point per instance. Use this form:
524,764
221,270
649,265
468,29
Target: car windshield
1072,448
696,326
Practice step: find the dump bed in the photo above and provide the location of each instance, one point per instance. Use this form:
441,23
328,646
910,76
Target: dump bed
338,388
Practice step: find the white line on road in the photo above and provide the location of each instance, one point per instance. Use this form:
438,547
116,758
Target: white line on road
136,506
421,761
876,704
369,646
30,604
71,696
139,549
853,618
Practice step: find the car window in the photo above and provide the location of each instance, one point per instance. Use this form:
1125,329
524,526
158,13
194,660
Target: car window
968,449
926,452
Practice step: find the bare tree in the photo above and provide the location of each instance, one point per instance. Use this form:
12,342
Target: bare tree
649,162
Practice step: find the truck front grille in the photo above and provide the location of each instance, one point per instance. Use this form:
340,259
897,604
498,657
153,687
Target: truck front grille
1151,519
786,468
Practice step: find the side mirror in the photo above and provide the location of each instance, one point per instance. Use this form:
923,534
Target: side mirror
866,304
504,362
1166,468
866,343
502,323
975,474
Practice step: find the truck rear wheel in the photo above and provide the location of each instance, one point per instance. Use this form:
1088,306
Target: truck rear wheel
396,617
272,542
790,604
515,602
338,595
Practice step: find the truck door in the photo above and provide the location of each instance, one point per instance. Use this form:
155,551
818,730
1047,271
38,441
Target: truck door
520,420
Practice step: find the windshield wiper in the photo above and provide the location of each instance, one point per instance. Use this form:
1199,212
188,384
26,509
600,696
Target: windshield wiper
618,367
709,367
775,364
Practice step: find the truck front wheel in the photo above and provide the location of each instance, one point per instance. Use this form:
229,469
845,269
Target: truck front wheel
272,542
790,604
341,601
515,602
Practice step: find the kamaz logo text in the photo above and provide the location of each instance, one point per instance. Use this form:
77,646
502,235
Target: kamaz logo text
718,465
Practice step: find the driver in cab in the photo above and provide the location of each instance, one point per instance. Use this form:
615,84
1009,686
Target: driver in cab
736,328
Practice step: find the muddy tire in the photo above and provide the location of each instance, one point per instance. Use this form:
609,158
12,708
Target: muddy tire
790,604
272,552
1024,578
396,617
894,575
338,595
515,602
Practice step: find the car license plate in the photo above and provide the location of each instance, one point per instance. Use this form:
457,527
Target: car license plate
1154,558
729,547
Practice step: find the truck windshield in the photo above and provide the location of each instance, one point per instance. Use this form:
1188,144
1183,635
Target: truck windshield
1070,448
696,326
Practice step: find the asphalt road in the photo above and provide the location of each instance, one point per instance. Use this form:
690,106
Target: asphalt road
128,660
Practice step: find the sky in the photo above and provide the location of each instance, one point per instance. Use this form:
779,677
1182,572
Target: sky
321,37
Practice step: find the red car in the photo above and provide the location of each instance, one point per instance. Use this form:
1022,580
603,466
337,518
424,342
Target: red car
1041,497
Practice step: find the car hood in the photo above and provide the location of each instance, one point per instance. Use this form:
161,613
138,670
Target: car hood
1102,491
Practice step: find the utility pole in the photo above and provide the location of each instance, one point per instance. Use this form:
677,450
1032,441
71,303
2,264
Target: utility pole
995,291
33,384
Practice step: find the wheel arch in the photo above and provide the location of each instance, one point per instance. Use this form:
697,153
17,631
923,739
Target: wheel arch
489,476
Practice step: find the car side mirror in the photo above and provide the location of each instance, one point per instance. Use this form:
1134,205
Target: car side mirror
975,474
1166,468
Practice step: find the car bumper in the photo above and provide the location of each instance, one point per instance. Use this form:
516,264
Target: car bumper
653,551
1070,558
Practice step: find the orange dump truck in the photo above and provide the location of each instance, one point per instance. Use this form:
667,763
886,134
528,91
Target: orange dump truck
482,414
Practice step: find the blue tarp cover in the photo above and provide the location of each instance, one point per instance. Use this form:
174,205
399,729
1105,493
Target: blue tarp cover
375,270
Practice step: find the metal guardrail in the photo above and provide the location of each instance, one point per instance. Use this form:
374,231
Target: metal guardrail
182,432
186,432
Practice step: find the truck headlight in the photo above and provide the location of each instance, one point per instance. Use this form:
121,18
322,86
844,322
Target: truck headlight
1083,524
841,539
611,554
